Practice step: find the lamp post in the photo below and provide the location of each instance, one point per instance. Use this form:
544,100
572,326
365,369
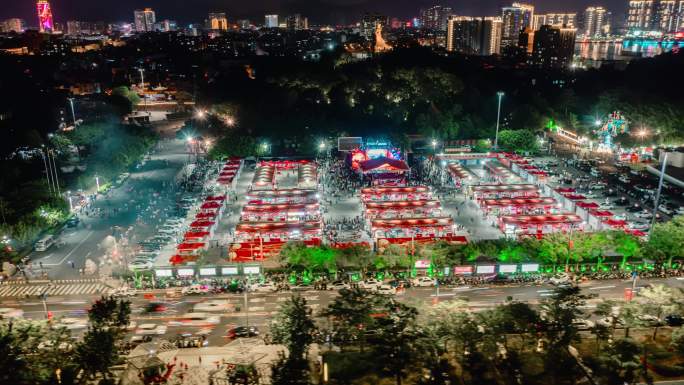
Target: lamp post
97,184
657,197
71,203
73,113
142,87
500,94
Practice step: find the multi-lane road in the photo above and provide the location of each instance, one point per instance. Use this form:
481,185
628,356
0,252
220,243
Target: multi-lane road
141,201
259,308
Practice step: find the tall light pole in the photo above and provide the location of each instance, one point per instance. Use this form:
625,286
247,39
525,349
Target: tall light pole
97,184
142,87
73,113
657,197
500,94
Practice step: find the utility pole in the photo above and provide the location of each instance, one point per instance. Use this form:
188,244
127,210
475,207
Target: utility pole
500,94
73,113
54,165
657,197
47,173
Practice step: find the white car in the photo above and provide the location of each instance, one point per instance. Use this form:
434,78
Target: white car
637,225
221,305
194,289
582,324
266,287
151,329
72,323
608,322
195,319
11,313
665,209
338,286
644,214
606,206
649,320
598,186
369,284
423,282
560,279
385,289
140,265
620,217
679,211
123,292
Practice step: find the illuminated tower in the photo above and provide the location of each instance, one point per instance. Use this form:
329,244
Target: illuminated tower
44,16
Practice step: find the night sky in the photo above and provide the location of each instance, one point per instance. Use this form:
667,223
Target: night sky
318,11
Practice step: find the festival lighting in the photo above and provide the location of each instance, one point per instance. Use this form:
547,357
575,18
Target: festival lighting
45,22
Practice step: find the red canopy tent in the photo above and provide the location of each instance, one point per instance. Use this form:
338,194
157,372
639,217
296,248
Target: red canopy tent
411,222
389,190
601,214
565,190
280,207
519,205
206,215
202,224
457,171
588,205
195,235
190,246
575,197
615,223
219,198
536,220
210,205
498,191
266,227
383,164
389,205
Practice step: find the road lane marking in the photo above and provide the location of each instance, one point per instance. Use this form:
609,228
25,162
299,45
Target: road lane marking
602,287
71,252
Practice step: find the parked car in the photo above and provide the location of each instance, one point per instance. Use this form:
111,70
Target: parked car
338,285
265,287
151,329
243,331
583,324
423,282
369,284
664,209
385,289
674,320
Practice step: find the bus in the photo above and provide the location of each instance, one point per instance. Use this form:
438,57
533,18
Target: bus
44,243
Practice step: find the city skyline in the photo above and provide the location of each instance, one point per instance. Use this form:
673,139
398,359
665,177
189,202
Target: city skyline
319,12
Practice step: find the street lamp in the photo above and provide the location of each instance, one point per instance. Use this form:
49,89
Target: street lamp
500,94
73,114
597,122
71,204
199,114
97,183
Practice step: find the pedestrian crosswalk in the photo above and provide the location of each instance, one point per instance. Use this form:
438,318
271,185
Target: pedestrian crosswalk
53,289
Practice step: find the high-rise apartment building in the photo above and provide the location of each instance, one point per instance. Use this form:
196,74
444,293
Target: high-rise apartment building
474,35
217,21
680,15
45,22
566,19
435,17
144,20
664,16
271,21
515,18
165,25
369,23
13,25
297,22
596,22
640,15
554,46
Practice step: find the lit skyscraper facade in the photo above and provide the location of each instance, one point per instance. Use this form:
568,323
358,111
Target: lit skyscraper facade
515,19
369,23
296,22
655,15
596,22
144,20
435,17
217,21
45,22
13,25
474,35
554,46
271,21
